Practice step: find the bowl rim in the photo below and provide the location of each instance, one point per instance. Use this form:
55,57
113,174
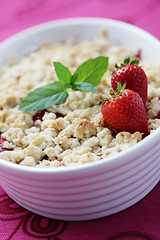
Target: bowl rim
73,21
109,159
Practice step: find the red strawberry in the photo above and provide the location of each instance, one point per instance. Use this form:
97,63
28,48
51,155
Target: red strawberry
134,77
125,111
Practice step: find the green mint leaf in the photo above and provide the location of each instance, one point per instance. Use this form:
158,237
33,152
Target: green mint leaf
44,97
67,85
92,70
74,78
84,87
63,73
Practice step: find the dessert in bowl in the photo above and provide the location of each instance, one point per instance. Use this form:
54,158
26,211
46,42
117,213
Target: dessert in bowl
63,161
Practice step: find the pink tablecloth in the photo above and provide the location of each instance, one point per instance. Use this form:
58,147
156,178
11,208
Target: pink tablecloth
19,14
139,222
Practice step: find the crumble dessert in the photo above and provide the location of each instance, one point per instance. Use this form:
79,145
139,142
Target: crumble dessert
74,132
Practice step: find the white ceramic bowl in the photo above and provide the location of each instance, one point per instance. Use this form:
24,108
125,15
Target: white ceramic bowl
97,189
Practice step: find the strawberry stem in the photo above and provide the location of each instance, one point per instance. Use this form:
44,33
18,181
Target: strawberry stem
119,89
111,92
126,62
135,62
115,93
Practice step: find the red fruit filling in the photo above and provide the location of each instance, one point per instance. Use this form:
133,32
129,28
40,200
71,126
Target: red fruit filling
158,115
59,114
2,148
39,115
138,55
45,158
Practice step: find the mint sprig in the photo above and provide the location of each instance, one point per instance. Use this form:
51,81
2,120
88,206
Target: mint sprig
118,91
85,79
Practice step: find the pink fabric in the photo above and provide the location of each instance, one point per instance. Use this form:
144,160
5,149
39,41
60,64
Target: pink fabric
20,14
139,222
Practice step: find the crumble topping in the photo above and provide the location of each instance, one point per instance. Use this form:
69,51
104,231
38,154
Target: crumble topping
74,132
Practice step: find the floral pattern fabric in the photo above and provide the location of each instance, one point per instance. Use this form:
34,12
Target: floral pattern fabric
139,222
